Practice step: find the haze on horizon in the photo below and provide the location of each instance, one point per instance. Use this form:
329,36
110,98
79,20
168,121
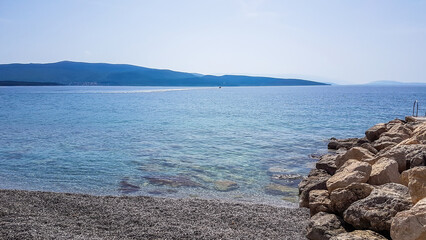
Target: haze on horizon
345,42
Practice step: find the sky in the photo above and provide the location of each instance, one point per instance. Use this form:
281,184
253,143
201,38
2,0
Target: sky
344,42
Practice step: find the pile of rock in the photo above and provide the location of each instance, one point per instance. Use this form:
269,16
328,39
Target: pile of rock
371,188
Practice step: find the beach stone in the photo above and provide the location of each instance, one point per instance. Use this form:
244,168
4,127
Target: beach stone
225,185
323,226
407,156
328,163
278,189
416,178
375,131
352,171
385,170
319,201
342,198
316,180
359,235
358,153
376,211
410,224
173,181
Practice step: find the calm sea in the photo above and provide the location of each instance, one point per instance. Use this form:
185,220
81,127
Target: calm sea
177,142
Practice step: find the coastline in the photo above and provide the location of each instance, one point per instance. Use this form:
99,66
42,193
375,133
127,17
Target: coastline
48,215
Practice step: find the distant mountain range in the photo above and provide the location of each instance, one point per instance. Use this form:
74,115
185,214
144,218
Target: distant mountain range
393,83
79,73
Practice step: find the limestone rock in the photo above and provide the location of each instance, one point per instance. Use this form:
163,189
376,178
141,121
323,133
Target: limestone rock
375,131
369,147
316,180
358,153
417,183
319,201
386,142
278,189
359,235
328,163
323,226
225,185
342,198
341,143
385,170
376,211
410,224
353,171
407,156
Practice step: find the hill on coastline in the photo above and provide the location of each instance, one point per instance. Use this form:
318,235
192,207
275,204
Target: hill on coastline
79,73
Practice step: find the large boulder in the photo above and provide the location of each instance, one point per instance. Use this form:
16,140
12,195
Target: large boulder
353,171
342,198
385,142
410,224
323,226
385,170
328,163
358,153
407,156
316,180
375,131
319,201
415,179
376,211
359,235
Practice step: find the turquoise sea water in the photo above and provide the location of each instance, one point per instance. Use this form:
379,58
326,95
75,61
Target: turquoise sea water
131,140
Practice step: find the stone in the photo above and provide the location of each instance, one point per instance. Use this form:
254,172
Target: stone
359,235
353,171
376,211
358,153
404,177
385,170
410,224
369,147
276,170
375,131
323,226
225,185
348,143
407,156
342,198
126,187
173,181
277,189
328,163
316,180
398,131
385,142
319,201
416,183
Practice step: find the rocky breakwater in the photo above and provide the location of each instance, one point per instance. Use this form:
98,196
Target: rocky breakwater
372,187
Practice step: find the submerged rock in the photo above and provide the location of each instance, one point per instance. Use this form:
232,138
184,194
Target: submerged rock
323,226
410,224
359,235
126,187
173,181
225,185
376,211
162,191
353,171
277,189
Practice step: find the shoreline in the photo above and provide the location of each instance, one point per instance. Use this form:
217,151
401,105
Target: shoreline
34,214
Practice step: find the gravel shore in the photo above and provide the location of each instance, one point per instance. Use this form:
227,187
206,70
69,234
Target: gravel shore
47,215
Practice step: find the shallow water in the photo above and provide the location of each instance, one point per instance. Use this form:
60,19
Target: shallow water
116,140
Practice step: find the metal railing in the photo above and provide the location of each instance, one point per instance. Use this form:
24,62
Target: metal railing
416,103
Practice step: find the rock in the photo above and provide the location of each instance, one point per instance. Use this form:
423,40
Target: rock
287,176
225,185
375,131
410,119
385,170
404,177
173,181
385,142
348,143
398,131
358,153
369,147
410,224
276,170
342,198
323,226
359,235
126,187
419,133
319,201
416,183
407,156
376,211
316,180
353,171
277,189
328,163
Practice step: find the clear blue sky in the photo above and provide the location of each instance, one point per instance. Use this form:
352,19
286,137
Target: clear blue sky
336,41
